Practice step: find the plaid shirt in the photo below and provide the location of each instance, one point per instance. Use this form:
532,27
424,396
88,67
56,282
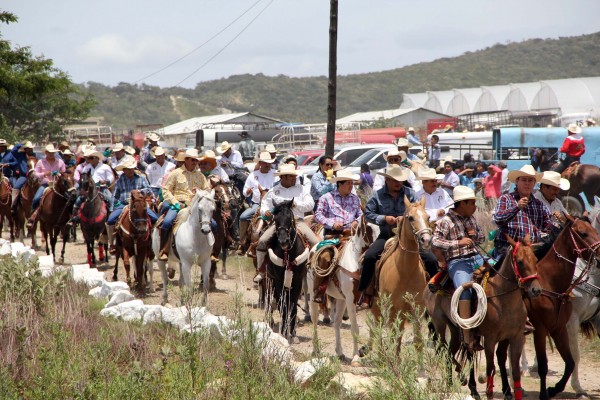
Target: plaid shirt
451,229
334,208
124,186
517,223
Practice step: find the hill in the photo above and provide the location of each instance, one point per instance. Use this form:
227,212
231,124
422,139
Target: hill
305,99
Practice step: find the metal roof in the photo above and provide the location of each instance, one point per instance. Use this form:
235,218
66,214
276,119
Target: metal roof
193,124
374,115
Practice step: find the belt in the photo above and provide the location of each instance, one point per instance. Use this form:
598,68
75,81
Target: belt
463,256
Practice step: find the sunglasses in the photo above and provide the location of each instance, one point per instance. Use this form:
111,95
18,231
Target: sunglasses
393,159
329,164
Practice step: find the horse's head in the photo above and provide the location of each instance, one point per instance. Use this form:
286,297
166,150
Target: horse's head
87,186
419,222
138,213
204,204
585,239
524,266
63,182
223,199
285,225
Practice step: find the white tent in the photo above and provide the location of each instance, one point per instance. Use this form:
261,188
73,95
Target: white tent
521,96
492,98
464,101
439,101
414,100
569,95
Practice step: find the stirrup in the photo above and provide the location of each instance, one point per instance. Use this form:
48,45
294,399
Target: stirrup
259,277
30,223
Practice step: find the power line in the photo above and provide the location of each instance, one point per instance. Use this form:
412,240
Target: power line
199,47
224,47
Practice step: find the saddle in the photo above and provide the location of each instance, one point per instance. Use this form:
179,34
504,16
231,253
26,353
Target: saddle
442,285
182,216
572,170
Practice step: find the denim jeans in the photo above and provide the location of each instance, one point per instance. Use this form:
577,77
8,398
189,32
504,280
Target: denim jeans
461,271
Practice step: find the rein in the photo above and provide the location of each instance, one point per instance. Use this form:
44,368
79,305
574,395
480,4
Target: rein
520,280
7,194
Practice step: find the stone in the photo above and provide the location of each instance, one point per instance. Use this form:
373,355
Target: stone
78,272
5,249
117,298
45,262
96,292
110,288
177,317
93,277
277,347
354,384
152,313
305,370
128,311
17,249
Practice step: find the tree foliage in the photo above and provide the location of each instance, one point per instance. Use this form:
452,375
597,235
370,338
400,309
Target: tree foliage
36,99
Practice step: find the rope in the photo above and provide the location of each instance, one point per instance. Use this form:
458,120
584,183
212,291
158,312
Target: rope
480,312
322,273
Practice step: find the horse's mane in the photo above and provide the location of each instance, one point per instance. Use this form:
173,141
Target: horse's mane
282,206
199,194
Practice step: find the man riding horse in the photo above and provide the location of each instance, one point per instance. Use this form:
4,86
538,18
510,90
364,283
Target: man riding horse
573,147
337,211
178,192
15,168
156,171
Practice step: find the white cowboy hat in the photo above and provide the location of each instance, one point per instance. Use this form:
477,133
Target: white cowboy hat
93,153
159,151
401,142
50,148
574,128
129,150
427,174
286,169
448,159
395,152
411,129
478,180
3,142
130,163
591,121
223,147
270,148
190,153
27,145
526,170
118,147
553,179
344,175
265,156
463,193
152,136
67,152
395,172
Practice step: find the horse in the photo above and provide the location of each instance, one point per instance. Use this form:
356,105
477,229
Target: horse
5,204
401,270
133,239
288,255
342,282
222,217
55,211
584,178
25,200
550,312
193,242
504,321
92,216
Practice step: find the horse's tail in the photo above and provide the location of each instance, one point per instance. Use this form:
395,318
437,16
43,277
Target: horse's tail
587,329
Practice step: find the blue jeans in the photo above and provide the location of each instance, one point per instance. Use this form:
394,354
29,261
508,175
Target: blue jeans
114,216
461,271
172,214
156,191
17,182
249,212
38,197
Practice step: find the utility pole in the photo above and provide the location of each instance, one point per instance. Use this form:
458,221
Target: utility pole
332,84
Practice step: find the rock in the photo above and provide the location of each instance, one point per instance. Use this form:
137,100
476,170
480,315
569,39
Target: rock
93,277
45,262
277,347
111,288
128,311
117,298
5,249
175,316
17,248
354,384
96,292
152,313
78,271
305,370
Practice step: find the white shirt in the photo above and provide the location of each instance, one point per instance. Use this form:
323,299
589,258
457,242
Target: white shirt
439,199
451,179
416,184
102,172
556,205
235,159
218,171
303,201
505,185
155,172
256,178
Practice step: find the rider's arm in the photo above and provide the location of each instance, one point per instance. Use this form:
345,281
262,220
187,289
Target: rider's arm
168,188
321,212
236,160
506,209
565,145
39,171
441,236
304,202
267,202
372,211
61,165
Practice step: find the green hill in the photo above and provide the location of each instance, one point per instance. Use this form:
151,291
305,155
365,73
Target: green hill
305,99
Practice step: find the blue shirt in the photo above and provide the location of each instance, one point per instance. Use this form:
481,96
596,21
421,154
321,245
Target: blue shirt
17,162
124,186
319,185
382,203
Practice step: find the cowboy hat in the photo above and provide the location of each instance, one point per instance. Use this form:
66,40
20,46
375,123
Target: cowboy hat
395,152
337,166
118,147
67,152
286,169
395,172
427,174
190,153
270,148
463,193
243,134
344,175
159,151
401,142
574,128
50,149
210,156
264,156
152,136
64,143
129,150
411,129
448,127
478,180
526,170
3,142
27,145
223,147
130,163
93,153
448,159
553,179
179,156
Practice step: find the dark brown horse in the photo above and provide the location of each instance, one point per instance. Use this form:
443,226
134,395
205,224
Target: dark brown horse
133,239
550,312
504,320
25,200
5,205
92,217
222,217
584,178
55,211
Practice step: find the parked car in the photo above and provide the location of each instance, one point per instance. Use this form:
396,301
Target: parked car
373,158
304,157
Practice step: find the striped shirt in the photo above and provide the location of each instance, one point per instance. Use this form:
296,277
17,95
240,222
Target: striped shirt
517,223
124,186
334,208
179,185
451,229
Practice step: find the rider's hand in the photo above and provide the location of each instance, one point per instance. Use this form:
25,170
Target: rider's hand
390,220
441,212
465,242
268,214
522,203
338,227
248,191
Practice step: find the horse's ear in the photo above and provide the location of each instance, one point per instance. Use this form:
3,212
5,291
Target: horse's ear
423,201
510,240
406,202
568,217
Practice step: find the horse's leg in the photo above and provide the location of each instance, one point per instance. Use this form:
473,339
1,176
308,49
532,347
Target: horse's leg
162,265
573,331
501,356
185,279
212,284
340,307
140,261
347,289
308,316
126,264
516,348
539,340
314,316
88,247
561,340
65,236
116,269
490,369
324,308
293,295
224,275
207,284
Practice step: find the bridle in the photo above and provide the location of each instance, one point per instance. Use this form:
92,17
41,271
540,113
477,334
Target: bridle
520,279
135,220
577,250
417,233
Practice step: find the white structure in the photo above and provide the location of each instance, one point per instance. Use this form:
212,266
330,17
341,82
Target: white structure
521,96
569,95
416,117
464,101
439,101
414,100
491,99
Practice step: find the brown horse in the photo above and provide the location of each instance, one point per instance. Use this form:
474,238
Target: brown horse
55,211
584,178
25,200
550,312
92,216
504,320
133,239
5,205
222,217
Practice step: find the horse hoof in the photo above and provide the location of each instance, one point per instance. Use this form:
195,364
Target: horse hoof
224,277
170,272
115,278
327,320
356,361
362,351
61,260
553,391
345,317
307,318
294,340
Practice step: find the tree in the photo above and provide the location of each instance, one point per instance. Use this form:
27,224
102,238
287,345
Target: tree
36,99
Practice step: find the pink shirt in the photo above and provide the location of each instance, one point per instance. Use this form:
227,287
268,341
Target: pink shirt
493,184
44,166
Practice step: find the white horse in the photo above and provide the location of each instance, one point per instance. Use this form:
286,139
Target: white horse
193,241
346,274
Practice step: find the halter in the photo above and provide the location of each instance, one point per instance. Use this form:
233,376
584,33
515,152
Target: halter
134,221
520,280
577,250
288,230
416,233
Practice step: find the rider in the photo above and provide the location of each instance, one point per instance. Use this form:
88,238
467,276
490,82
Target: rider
319,183
15,168
3,148
337,211
413,138
573,147
246,146
208,166
178,192
146,157
45,169
119,157
258,181
128,181
156,171
270,148
396,157
437,200
550,186
287,189
230,158
67,157
456,235
384,208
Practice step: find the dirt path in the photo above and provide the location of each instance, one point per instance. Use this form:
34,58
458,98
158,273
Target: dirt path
241,273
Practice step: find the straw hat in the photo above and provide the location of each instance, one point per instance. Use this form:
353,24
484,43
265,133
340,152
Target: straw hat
27,145
286,169
3,142
590,121
428,174
159,151
574,128
478,180
270,148
129,150
553,179
118,147
50,149
67,152
64,143
401,142
463,193
130,163
210,156
223,147
411,129
93,153
152,136
394,153
448,159
265,156
526,170
190,153
344,175
395,172
180,156
337,166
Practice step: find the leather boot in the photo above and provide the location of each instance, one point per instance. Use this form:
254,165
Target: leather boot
260,260
243,234
75,217
110,232
32,219
165,243
15,199
464,311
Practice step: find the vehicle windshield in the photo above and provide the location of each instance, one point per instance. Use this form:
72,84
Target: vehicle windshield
364,158
300,159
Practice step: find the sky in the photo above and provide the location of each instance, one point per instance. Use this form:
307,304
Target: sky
112,41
